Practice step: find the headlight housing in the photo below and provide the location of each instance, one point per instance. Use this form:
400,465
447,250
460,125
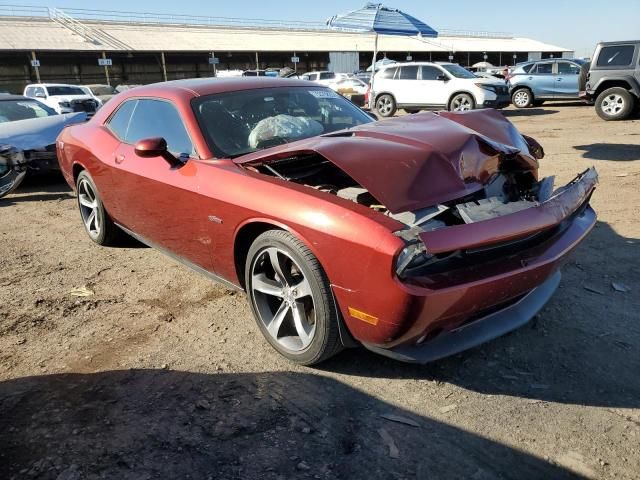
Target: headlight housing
411,256
64,104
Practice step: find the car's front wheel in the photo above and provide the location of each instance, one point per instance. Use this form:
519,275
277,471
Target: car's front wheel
386,105
522,98
291,298
95,218
461,103
614,104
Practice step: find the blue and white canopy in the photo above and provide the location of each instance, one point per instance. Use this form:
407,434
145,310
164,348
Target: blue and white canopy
376,18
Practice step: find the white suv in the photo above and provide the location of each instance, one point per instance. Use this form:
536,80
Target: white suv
325,78
63,98
424,85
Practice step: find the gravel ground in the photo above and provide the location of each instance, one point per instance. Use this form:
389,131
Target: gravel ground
162,374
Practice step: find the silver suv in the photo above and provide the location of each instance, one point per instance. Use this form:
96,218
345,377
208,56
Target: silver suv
613,81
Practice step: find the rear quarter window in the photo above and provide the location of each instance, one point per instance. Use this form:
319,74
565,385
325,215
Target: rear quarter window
616,56
388,73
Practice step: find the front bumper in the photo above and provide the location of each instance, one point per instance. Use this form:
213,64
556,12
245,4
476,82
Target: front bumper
501,101
477,332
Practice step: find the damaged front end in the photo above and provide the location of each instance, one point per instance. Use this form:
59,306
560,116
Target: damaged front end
495,223
459,183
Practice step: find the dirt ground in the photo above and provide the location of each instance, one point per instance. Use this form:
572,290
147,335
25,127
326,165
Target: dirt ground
162,374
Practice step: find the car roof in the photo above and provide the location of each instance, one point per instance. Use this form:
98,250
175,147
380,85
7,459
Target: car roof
620,42
404,64
51,85
4,98
207,86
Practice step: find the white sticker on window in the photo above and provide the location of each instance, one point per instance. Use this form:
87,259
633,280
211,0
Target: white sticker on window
323,93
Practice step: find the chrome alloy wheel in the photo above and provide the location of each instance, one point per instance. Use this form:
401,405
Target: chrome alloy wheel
89,208
462,103
612,104
384,105
521,98
283,299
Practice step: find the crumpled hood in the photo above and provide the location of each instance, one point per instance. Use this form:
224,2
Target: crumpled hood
34,133
416,161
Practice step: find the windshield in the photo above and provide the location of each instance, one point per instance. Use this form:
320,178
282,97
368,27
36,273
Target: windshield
235,123
457,71
65,91
12,110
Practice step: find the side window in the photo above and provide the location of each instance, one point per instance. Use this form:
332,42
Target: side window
409,73
543,68
616,56
327,75
568,68
41,90
157,118
388,73
430,73
529,68
119,121
30,92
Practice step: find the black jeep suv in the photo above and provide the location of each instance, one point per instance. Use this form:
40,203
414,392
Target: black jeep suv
613,79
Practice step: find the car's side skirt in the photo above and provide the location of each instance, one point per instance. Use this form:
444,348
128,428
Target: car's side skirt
182,260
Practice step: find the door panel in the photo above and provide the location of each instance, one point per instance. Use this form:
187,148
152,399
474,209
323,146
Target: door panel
543,80
405,84
163,204
567,80
431,91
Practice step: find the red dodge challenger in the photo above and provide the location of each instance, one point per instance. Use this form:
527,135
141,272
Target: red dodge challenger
417,237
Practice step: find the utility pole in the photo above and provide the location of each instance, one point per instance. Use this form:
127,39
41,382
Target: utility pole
106,68
164,66
36,65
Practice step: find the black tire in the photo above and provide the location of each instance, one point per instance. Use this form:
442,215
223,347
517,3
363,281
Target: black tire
522,98
107,233
10,180
291,251
386,105
411,111
615,104
461,102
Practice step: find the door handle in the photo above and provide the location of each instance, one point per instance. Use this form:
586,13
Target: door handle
119,159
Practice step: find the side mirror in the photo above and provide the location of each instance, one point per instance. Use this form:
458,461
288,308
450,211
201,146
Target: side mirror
156,147
40,95
442,77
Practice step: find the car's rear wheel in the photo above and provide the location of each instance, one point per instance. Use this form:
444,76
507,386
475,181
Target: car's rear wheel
522,98
614,104
95,218
462,102
291,298
386,105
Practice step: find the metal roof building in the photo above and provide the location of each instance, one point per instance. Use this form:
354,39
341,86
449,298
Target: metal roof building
141,47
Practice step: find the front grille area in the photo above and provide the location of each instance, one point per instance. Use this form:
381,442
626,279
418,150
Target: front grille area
89,106
502,90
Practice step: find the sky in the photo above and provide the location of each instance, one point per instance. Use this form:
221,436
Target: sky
576,25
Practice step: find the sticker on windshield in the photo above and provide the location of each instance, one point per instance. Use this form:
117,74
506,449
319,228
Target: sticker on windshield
323,93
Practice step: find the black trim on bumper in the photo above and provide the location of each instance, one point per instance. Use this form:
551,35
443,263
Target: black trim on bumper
477,332
500,102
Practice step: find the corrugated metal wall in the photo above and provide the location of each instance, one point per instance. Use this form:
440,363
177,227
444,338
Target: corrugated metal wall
344,62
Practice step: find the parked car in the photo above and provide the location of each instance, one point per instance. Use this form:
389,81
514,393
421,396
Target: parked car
325,77
63,98
613,79
352,88
417,237
531,83
125,87
102,93
28,131
260,73
416,86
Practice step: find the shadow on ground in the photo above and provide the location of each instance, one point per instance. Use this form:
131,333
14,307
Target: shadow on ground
620,152
529,112
38,187
582,348
141,424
